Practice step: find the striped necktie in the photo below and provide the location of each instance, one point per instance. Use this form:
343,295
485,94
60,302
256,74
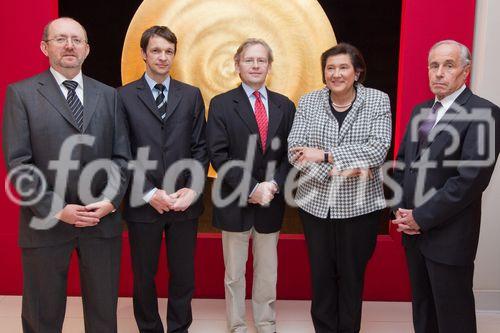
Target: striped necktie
74,102
160,101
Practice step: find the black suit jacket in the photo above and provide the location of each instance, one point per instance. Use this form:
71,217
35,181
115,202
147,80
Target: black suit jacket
450,219
231,122
180,135
37,121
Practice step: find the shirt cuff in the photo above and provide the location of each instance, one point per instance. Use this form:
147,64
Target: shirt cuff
149,195
106,199
275,183
254,188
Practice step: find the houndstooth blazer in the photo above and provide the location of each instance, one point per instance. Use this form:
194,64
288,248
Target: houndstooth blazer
362,142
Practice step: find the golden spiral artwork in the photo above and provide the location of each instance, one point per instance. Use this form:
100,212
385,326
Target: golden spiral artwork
210,31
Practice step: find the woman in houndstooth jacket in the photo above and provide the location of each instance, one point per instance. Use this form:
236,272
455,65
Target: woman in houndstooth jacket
339,140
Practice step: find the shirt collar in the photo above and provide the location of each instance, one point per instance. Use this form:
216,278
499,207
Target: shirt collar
448,100
61,78
152,83
249,90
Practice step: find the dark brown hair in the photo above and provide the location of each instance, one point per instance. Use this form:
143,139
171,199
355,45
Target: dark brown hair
157,30
357,60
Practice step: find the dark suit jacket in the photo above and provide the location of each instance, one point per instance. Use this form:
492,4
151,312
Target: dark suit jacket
37,120
450,219
181,135
231,122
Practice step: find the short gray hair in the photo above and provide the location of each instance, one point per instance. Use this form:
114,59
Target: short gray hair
464,50
253,41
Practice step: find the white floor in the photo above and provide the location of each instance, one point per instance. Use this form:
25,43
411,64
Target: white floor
293,317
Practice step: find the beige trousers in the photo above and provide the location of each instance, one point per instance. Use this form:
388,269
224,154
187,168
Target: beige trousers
265,273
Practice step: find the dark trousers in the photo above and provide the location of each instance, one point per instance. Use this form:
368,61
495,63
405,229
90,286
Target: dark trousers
339,250
442,296
45,272
145,244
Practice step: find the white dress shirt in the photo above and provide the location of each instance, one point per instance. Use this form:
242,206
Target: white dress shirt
447,102
61,78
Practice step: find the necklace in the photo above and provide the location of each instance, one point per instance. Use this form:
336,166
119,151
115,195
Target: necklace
343,106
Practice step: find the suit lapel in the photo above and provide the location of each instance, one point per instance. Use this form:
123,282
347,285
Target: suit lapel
49,89
146,97
443,124
353,113
244,110
275,115
439,128
174,97
90,99
415,153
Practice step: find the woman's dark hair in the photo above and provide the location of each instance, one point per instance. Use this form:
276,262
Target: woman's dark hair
357,60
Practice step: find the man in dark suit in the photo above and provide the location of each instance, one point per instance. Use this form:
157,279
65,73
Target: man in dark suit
168,118
448,152
250,123
43,117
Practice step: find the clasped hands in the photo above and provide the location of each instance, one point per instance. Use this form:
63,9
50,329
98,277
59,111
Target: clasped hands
178,201
405,222
263,193
301,155
85,216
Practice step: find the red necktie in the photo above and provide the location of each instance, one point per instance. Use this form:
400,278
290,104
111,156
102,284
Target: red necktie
261,118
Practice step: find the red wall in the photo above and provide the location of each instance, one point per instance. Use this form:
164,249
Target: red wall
21,27
423,23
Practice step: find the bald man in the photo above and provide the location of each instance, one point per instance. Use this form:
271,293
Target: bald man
43,116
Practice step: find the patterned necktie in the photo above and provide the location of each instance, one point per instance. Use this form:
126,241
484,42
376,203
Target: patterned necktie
261,118
74,102
427,124
160,100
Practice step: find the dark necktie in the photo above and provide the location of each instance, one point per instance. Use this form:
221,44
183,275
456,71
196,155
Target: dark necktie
261,118
160,100
74,102
427,124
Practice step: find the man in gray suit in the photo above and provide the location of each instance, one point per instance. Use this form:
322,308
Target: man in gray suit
61,125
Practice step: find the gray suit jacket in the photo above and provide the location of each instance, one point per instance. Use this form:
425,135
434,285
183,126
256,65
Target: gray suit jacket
37,121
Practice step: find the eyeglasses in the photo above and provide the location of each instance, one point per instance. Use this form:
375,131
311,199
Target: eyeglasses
61,40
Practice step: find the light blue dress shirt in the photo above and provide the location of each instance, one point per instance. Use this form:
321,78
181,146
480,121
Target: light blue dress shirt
156,92
251,97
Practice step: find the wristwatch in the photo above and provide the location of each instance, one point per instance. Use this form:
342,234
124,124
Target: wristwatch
325,156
